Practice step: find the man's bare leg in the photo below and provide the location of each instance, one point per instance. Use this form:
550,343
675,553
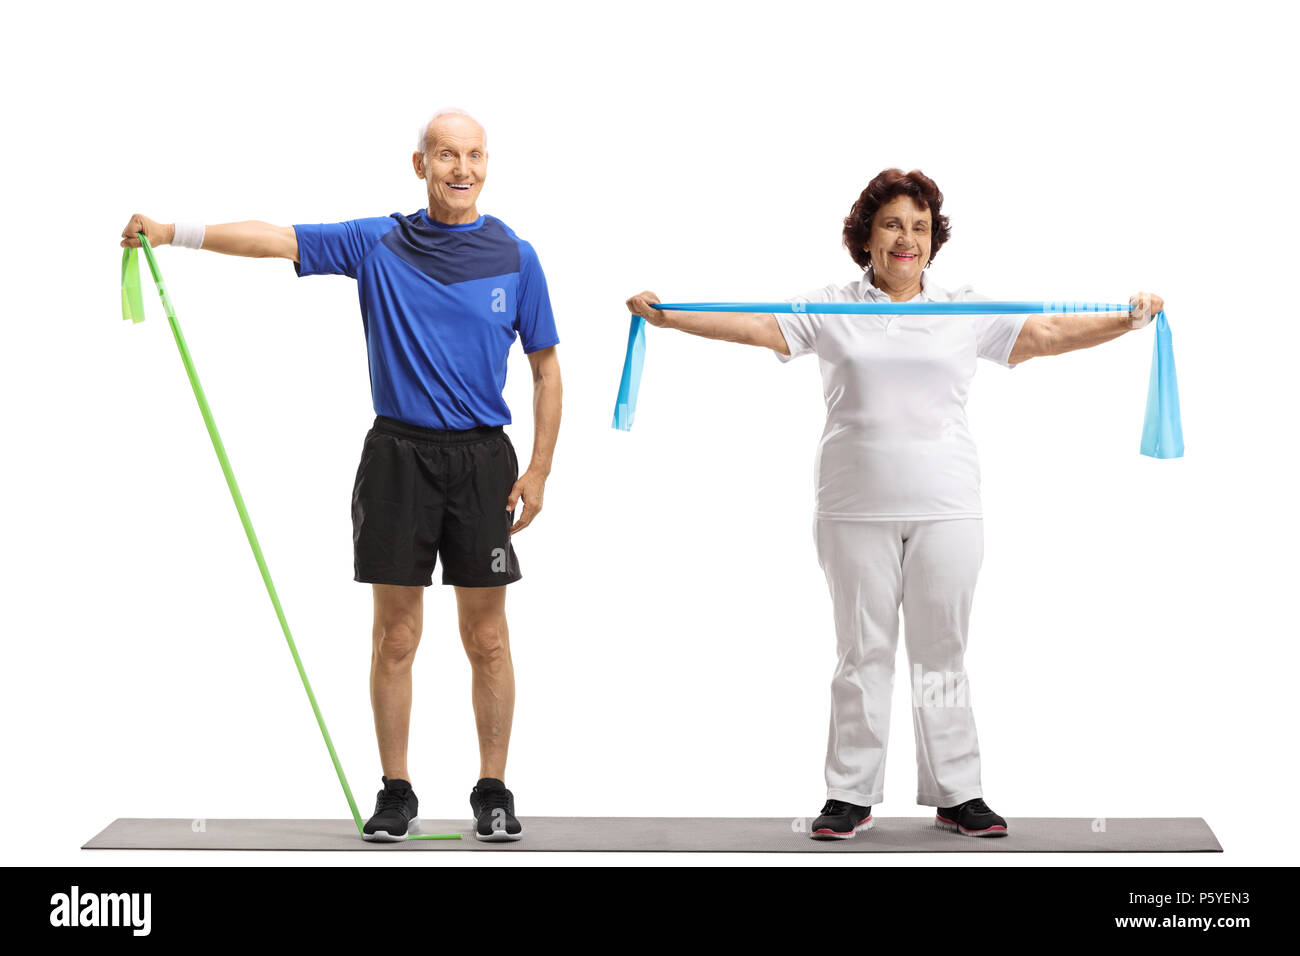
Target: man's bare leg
483,631
399,619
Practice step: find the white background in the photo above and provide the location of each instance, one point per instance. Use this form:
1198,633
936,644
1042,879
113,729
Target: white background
1133,648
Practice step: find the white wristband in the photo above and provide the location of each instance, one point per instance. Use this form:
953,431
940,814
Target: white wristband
189,235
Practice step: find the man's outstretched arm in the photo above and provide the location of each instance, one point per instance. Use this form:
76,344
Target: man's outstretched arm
256,239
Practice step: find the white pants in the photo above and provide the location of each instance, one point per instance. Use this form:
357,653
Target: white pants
930,568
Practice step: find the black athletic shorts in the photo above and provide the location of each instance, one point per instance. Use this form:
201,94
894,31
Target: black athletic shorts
425,492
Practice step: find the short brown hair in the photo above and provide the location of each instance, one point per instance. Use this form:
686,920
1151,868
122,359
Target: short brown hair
886,186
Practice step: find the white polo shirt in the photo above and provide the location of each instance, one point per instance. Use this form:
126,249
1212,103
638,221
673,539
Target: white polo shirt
896,444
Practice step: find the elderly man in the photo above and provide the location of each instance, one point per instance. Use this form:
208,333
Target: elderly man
444,292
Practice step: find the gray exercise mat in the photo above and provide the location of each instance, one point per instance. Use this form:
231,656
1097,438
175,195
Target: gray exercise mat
675,835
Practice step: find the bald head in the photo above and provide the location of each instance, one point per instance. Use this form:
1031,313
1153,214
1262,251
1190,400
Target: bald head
445,119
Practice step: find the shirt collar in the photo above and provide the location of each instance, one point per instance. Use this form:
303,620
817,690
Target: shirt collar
459,227
929,291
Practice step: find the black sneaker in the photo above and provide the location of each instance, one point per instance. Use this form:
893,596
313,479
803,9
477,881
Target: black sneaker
396,810
494,811
841,821
972,818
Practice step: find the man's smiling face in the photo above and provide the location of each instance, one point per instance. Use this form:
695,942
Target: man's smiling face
454,167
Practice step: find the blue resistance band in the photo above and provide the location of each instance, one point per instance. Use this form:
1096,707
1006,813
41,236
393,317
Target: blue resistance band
1162,430
625,407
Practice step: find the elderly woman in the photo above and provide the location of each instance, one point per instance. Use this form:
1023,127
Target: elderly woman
898,515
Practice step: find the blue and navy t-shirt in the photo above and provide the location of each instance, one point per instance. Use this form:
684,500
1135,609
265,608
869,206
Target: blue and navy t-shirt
441,306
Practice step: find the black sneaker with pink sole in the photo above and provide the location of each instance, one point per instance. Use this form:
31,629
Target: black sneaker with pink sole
972,818
841,821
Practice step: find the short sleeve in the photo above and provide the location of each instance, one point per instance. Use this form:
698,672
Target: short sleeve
995,335
801,327
338,248
534,319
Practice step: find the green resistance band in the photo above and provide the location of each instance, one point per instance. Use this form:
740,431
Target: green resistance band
133,309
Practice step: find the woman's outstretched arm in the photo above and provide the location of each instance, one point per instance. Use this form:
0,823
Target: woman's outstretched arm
745,328
1056,333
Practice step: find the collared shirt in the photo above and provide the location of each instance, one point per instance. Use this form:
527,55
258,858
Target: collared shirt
897,445
441,306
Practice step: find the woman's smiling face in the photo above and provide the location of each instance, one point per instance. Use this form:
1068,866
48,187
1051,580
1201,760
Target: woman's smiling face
900,240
